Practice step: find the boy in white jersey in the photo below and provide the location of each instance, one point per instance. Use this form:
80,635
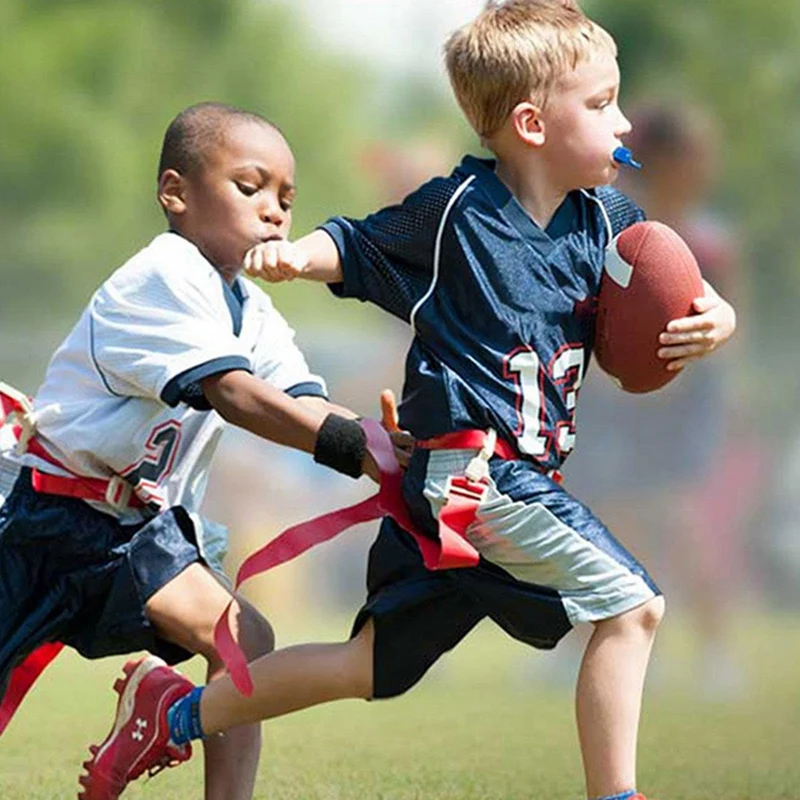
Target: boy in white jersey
101,546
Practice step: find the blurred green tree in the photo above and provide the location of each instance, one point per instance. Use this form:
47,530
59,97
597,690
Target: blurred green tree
86,91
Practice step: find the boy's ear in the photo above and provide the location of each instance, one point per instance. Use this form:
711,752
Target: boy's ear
172,191
528,124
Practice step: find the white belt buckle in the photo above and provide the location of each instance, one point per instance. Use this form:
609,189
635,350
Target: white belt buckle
24,416
478,468
118,493
27,425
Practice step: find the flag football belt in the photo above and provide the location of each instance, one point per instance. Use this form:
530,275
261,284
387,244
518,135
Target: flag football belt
464,493
16,409
16,412
450,550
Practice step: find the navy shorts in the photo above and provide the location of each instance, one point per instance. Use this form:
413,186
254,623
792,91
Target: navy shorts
72,574
547,563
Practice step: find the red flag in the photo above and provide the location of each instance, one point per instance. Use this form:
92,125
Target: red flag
23,677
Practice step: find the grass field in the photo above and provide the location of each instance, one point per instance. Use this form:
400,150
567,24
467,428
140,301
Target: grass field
484,726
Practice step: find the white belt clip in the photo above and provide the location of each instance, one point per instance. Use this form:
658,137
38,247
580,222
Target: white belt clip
23,415
478,468
118,493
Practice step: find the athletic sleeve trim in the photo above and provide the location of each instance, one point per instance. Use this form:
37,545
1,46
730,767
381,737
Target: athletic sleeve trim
347,287
186,387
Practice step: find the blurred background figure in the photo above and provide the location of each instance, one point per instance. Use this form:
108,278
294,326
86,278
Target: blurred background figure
397,168
677,474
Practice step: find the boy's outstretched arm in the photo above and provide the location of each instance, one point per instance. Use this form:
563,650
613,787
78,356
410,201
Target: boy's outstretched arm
252,404
314,257
315,427
691,338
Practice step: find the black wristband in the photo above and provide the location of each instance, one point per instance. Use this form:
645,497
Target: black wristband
341,445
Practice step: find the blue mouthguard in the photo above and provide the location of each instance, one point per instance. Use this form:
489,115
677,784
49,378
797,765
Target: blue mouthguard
623,155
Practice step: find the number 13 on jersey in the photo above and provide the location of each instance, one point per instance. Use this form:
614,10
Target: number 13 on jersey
565,371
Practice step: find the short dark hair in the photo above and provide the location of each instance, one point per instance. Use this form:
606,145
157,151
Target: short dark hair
196,130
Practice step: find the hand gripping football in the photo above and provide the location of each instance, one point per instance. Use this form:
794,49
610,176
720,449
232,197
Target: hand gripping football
650,278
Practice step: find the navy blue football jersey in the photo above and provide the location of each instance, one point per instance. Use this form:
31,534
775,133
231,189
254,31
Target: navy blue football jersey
502,311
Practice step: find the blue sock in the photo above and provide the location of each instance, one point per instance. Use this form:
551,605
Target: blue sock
183,718
624,796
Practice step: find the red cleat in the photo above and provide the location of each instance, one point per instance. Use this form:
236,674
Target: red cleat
139,741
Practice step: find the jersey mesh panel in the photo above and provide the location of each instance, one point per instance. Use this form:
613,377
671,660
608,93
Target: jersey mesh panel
406,238
620,209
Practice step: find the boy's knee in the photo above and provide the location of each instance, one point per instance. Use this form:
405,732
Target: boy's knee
253,633
643,619
256,636
649,615
185,612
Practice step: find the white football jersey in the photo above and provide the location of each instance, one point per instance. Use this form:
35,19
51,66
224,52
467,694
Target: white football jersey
122,394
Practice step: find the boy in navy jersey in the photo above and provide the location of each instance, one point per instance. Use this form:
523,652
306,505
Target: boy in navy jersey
495,268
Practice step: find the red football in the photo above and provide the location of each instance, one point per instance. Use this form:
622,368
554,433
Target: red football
650,278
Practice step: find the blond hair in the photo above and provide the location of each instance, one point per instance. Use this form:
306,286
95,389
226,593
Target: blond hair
517,50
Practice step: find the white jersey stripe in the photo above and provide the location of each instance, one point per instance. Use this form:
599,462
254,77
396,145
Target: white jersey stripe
437,251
